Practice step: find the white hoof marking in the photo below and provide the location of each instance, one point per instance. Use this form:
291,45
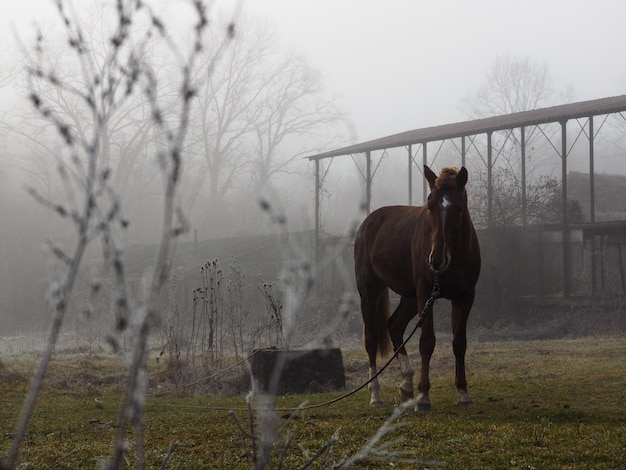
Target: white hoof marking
422,403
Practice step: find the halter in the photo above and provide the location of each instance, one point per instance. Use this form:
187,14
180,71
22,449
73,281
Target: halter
434,295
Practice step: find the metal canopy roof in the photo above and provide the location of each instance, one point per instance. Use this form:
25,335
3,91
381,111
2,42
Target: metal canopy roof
558,113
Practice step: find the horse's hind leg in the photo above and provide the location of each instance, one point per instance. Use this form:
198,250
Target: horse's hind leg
374,306
460,313
397,323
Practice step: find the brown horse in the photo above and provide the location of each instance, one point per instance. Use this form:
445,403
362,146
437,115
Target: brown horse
401,248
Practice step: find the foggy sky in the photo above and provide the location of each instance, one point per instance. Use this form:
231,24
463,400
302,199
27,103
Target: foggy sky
406,64
394,66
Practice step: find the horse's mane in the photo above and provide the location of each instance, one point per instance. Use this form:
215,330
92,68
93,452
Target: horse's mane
447,178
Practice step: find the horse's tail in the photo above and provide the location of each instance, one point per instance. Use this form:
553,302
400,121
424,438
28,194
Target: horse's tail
383,339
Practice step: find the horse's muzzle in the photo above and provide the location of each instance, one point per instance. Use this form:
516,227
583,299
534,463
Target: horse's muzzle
438,264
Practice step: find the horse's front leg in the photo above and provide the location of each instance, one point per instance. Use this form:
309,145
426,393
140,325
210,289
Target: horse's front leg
460,312
397,323
427,346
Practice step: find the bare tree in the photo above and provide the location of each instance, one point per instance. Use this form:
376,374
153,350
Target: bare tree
92,207
258,111
511,85
293,118
129,135
514,85
9,71
542,205
91,204
221,118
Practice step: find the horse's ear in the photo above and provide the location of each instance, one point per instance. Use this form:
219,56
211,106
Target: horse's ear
461,178
430,177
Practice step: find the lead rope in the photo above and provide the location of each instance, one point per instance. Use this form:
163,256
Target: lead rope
434,295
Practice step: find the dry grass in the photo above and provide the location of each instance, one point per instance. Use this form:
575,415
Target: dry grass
539,404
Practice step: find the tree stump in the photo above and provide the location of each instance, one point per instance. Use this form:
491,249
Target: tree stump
304,371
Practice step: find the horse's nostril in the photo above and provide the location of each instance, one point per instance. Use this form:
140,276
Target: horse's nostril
431,259
433,262
438,264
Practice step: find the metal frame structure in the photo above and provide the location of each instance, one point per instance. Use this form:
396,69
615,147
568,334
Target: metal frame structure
467,131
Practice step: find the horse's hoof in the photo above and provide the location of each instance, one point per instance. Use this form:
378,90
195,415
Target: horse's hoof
423,407
464,399
405,395
422,403
376,403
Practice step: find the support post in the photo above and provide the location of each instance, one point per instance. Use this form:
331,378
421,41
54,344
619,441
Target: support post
592,209
424,162
489,182
523,150
463,151
410,175
592,189
368,182
564,214
318,190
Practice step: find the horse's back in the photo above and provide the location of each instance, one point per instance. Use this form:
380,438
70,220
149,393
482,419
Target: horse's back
386,226
386,217
383,246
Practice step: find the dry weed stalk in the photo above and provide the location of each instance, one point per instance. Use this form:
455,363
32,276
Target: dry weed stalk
92,205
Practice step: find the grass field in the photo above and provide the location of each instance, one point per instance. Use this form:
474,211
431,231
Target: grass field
538,404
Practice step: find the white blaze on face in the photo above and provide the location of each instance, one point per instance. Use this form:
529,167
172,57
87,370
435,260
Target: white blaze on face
445,205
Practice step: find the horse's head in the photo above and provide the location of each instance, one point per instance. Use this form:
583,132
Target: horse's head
447,207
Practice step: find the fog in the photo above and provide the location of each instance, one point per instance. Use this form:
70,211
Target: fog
407,65
349,71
